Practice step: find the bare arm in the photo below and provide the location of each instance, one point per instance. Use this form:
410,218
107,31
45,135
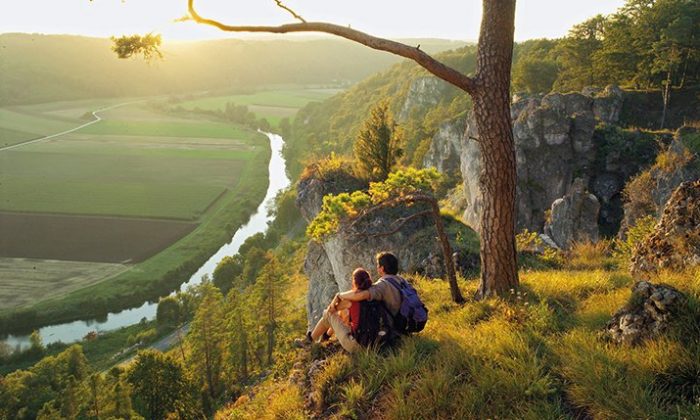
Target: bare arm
355,296
344,304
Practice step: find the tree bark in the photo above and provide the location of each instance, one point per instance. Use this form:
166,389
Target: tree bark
498,177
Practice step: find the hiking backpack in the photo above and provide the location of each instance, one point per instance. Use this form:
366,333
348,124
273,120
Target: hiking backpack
412,314
374,328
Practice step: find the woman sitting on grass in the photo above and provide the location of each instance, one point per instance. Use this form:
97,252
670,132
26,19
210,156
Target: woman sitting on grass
342,317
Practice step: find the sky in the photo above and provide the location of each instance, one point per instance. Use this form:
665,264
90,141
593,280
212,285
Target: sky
449,19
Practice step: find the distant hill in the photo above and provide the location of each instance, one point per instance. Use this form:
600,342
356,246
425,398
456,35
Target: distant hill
38,68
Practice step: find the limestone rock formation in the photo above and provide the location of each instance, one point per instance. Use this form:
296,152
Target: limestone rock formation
423,93
329,265
574,217
651,189
675,243
444,151
648,314
554,143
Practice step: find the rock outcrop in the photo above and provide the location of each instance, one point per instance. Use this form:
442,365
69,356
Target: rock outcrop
648,314
329,265
649,191
675,243
423,93
554,143
574,217
444,152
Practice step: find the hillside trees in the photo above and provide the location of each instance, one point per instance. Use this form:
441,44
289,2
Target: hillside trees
160,386
206,341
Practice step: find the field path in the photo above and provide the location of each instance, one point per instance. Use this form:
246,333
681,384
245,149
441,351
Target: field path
96,120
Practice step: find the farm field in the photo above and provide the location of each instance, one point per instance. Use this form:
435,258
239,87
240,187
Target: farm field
80,238
25,280
272,105
150,193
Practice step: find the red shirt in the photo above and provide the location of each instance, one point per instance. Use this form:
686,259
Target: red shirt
354,316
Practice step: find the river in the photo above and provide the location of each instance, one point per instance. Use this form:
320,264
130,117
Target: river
75,331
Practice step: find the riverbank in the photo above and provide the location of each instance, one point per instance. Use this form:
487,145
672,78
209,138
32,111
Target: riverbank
102,352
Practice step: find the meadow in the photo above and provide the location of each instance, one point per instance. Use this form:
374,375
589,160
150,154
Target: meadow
31,276
157,192
272,105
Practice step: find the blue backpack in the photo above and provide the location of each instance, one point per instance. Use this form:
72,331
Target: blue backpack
412,314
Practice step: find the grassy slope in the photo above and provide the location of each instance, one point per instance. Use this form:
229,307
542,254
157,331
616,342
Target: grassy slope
535,355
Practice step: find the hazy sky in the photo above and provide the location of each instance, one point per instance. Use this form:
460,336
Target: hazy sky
453,19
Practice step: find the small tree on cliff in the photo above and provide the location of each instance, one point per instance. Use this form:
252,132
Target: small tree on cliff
377,148
490,92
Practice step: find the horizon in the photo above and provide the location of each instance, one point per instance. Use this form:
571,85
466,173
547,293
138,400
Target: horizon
535,19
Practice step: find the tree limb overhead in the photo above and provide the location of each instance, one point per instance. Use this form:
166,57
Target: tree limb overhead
434,66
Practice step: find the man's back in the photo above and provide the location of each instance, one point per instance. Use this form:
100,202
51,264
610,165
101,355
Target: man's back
384,291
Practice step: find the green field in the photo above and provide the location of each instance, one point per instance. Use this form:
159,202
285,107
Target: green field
136,164
25,280
272,105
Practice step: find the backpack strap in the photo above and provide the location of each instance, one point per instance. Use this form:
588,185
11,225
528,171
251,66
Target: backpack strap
395,283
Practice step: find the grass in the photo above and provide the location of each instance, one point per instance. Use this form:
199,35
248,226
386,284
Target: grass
536,354
9,137
32,280
169,201
293,98
168,129
40,125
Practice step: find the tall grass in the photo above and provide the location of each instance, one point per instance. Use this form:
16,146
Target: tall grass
535,354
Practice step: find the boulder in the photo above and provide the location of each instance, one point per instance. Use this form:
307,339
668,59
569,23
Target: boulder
574,217
675,242
649,314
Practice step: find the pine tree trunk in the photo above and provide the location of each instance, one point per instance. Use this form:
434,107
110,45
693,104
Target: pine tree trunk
499,271
666,93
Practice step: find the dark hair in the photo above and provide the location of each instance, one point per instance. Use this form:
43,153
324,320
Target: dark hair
361,279
388,262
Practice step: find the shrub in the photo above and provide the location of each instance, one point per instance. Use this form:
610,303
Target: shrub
636,234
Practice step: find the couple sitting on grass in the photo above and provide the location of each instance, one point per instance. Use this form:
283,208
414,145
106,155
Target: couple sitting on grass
372,313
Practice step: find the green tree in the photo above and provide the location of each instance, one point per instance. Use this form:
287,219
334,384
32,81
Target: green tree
205,340
169,312
270,300
226,271
378,146
576,54
534,75
36,344
237,327
158,383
